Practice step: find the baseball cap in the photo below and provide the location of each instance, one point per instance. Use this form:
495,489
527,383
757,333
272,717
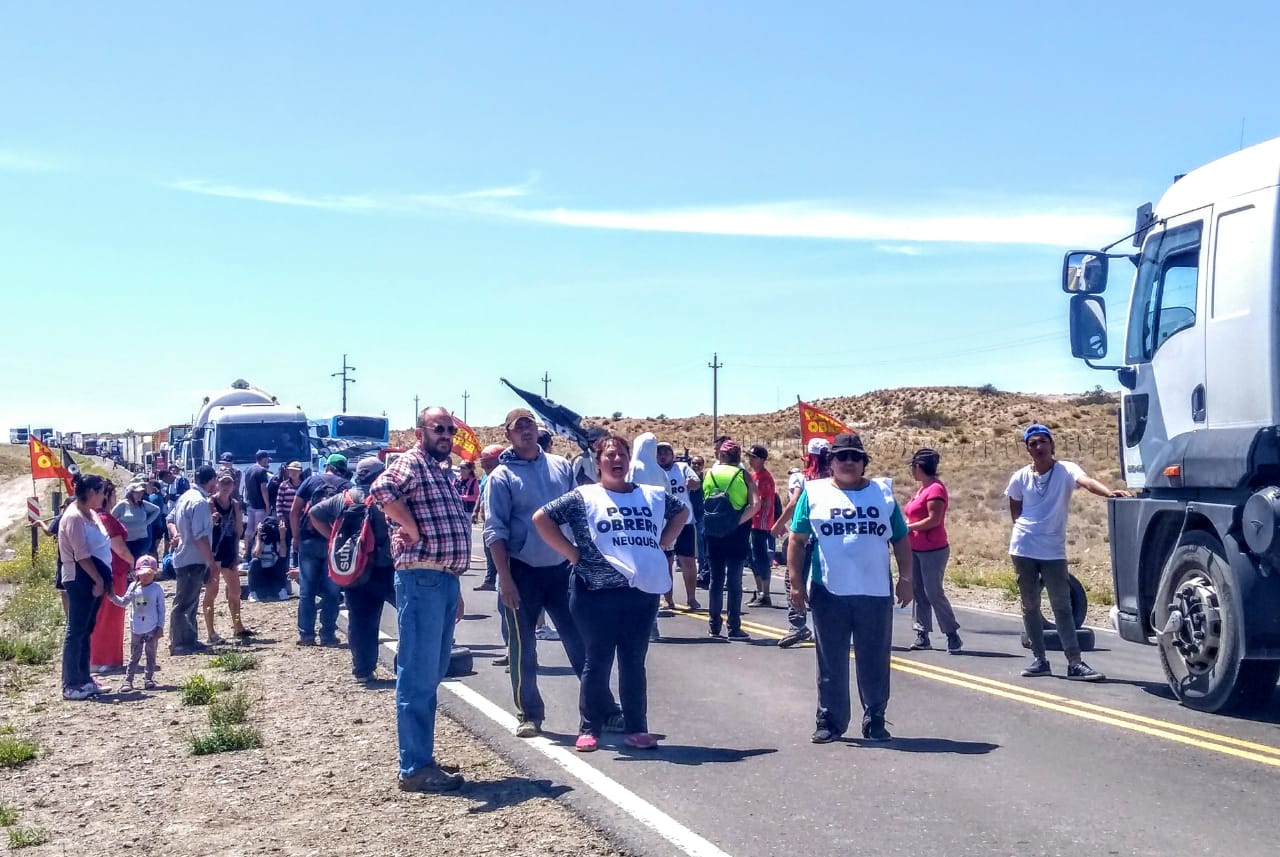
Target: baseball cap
337,461
517,414
1035,429
662,444
146,562
729,445
847,441
759,451
596,433
262,453
225,476
924,453
817,445
492,451
226,456
368,469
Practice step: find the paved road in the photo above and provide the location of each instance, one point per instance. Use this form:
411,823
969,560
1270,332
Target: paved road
983,762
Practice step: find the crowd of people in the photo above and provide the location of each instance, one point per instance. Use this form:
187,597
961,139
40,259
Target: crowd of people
591,548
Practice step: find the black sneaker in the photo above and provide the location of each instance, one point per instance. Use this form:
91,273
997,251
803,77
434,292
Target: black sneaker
1037,667
485,587
714,632
796,637
501,662
822,735
1083,672
954,644
764,601
739,634
873,729
921,642
305,641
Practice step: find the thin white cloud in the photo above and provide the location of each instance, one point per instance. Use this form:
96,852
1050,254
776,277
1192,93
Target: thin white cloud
902,249
17,161
278,197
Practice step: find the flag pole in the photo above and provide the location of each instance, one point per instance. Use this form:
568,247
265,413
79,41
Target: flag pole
35,531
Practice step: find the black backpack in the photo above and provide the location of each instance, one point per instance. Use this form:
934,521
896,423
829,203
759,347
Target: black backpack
719,518
330,485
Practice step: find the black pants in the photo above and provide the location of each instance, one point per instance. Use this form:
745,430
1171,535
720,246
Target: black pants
186,597
541,588
868,621
728,556
364,618
613,622
82,616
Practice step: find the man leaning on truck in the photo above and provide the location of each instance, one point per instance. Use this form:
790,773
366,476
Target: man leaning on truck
1039,500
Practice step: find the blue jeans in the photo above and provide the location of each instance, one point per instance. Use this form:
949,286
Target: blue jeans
704,565
313,583
426,603
364,618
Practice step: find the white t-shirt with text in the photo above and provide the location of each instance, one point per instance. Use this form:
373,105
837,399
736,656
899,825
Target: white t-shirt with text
1041,530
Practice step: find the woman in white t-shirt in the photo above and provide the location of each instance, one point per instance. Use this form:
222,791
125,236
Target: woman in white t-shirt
1039,500
619,570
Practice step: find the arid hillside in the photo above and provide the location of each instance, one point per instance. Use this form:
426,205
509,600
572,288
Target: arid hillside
978,433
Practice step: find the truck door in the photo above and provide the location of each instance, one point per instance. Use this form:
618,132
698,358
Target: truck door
1164,344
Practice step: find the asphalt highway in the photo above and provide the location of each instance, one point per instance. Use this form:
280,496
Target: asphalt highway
983,762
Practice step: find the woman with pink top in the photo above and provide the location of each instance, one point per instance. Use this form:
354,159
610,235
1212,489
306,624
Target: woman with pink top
930,551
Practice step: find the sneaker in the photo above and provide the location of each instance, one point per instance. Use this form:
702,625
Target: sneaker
246,632
126,686
755,599
284,594
429,780
655,636
93,688
796,637
485,587
546,632
615,723
873,729
1037,667
76,693
502,661
1083,672
640,741
529,729
586,743
330,642
253,596
954,644
822,735
921,642
739,634
216,640
714,632
149,684
766,601
694,604
305,641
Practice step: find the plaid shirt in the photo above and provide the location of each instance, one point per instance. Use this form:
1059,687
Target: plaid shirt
443,523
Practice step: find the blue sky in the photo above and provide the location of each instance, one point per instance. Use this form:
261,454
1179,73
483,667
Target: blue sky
834,200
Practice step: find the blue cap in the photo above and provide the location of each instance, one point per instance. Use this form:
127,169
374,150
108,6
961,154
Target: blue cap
1035,429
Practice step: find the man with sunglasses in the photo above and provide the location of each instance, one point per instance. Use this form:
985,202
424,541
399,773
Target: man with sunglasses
1039,500
532,576
430,548
856,523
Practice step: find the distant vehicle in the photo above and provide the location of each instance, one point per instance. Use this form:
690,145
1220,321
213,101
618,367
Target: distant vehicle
89,446
168,443
241,420
19,435
44,435
1195,555
361,428
74,440
136,452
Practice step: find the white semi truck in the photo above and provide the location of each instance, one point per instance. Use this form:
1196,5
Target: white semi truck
1195,553
241,420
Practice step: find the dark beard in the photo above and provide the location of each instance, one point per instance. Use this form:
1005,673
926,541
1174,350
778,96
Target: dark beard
437,456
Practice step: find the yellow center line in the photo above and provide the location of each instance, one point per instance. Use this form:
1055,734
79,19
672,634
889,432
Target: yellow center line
1150,726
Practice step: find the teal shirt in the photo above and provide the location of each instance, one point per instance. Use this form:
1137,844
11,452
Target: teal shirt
800,525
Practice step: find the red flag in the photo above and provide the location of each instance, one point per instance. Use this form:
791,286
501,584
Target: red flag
819,423
465,443
45,464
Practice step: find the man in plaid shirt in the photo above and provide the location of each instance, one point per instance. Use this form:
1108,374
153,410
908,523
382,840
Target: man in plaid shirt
430,545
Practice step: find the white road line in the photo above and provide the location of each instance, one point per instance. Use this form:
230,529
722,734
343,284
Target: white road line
611,790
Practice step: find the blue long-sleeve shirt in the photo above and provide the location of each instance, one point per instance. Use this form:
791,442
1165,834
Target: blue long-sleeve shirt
513,492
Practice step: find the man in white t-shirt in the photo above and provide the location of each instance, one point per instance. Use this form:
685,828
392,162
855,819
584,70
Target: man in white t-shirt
681,479
1039,500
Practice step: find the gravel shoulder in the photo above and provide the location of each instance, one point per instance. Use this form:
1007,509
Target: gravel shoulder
117,776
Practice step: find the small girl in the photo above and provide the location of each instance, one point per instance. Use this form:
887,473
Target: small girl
145,600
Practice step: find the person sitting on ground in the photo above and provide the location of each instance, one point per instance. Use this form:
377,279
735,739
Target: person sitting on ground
145,601
268,570
615,585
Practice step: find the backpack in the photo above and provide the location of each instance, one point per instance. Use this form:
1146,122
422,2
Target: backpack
719,518
352,542
330,484
269,543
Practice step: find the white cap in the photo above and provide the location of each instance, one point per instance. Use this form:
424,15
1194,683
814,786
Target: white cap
817,445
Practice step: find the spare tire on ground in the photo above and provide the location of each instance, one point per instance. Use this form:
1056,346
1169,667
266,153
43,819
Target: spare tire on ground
460,662
1079,611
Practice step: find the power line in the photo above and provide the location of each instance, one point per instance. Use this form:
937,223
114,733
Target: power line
948,355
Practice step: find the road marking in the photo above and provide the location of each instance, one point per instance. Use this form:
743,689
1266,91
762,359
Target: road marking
1227,745
684,839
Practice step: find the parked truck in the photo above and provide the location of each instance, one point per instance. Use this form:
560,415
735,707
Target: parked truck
136,451
89,446
1195,554
19,435
241,420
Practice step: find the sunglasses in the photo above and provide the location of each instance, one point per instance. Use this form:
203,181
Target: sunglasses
850,455
449,430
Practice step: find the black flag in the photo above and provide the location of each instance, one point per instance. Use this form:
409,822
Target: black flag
558,418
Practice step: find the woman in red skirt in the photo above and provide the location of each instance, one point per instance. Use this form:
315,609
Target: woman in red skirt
106,644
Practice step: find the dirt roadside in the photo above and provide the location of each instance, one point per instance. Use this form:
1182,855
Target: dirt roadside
117,776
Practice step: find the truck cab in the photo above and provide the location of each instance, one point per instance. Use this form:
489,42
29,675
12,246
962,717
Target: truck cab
1196,553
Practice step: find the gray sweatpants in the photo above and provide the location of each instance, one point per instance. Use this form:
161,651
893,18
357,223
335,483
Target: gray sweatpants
138,645
926,590
868,621
1053,573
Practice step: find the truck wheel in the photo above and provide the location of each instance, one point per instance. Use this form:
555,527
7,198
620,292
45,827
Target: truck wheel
1079,605
460,662
1201,648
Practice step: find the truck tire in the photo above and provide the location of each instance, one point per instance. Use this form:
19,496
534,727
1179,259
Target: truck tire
1201,652
460,662
1079,612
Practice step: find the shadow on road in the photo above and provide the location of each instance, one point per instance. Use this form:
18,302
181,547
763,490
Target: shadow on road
691,641
1267,712
507,791
682,754
473,616
925,745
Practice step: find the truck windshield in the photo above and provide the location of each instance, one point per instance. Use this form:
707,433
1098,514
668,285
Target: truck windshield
374,428
282,441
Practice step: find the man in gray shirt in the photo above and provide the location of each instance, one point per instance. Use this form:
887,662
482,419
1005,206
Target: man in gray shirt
531,576
191,527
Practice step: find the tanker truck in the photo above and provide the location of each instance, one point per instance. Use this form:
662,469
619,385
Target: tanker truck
1195,554
241,420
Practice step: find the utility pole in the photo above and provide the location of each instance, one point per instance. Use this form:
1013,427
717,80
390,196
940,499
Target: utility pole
346,370
465,396
715,366
546,381
416,412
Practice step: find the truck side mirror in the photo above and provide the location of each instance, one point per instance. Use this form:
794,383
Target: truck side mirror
1088,327
1084,273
